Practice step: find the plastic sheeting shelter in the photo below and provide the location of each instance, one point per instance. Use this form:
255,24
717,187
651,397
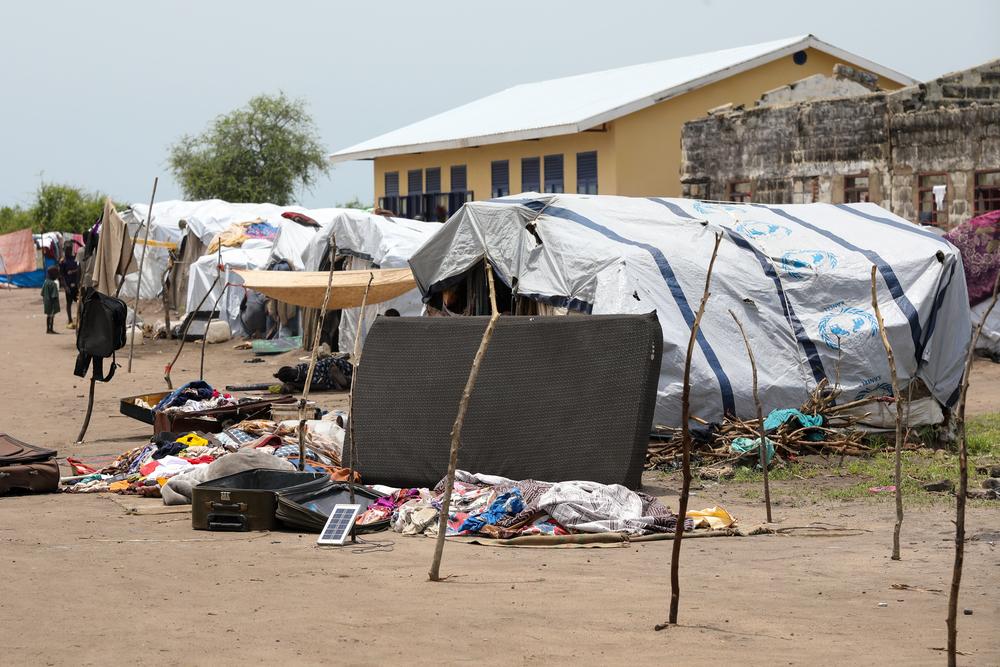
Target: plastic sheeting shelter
370,241
798,277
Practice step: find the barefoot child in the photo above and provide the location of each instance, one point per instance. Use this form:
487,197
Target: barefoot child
50,297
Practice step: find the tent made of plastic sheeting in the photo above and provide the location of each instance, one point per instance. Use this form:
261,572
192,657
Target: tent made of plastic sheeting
205,278
204,220
798,277
370,241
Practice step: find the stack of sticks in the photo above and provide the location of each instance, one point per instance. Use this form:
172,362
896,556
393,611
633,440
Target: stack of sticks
840,435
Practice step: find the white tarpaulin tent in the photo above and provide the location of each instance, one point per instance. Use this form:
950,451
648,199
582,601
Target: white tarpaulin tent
798,276
254,254
204,219
371,241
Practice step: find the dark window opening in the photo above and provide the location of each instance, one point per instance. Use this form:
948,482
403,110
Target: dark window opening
414,181
458,178
531,174
554,173
800,57
928,212
586,173
856,189
432,179
739,191
987,193
500,172
391,183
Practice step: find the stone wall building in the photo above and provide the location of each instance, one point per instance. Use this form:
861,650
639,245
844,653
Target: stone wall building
890,148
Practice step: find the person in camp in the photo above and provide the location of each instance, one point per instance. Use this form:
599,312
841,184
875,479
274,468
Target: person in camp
69,273
50,298
331,373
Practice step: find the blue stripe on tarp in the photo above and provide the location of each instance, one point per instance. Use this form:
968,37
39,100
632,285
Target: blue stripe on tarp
674,208
808,346
725,386
896,224
895,289
932,320
534,204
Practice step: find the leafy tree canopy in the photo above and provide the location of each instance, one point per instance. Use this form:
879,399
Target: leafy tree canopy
56,208
263,152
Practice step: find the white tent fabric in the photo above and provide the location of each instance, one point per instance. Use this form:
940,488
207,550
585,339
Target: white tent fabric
798,277
372,241
989,338
254,254
205,219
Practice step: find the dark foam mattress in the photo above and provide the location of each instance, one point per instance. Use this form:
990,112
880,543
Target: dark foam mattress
557,398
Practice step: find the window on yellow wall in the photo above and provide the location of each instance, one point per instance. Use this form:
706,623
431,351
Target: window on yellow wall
531,174
458,178
432,179
554,173
391,183
586,173
500,173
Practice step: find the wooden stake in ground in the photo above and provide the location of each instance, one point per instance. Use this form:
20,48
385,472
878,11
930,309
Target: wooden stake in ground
312,363
760,416
138,282
456,429
675,585
898,477
963,485
356,363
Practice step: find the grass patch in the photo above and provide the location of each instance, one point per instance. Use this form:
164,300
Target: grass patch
852,480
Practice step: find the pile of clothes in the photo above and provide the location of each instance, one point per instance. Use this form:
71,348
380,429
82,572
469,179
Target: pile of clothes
171,464
498,507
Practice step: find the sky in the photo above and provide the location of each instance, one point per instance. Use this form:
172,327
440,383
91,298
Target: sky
93,94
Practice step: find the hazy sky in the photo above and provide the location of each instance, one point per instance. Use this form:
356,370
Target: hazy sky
93,93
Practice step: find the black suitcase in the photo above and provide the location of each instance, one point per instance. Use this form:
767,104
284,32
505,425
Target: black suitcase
247,500
309,509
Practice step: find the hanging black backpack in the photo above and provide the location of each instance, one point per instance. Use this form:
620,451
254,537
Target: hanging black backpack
100,332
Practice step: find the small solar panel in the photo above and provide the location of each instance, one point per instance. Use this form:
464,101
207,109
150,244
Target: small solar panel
338,526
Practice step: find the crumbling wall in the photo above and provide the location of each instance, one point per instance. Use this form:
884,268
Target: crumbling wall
801,152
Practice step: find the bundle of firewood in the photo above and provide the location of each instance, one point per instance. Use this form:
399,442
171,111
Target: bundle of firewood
840,435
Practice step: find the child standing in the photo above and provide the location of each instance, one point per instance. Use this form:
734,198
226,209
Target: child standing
50,298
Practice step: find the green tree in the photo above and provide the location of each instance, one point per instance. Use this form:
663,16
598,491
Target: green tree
56,208
262,152
354,203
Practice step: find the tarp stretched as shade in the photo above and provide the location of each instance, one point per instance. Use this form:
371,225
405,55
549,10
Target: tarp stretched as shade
307,288
17,252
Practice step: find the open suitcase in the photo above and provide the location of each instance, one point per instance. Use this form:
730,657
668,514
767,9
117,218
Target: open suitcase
308,509
25,468
247,500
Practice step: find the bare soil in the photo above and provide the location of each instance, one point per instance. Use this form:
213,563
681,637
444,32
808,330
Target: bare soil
88,580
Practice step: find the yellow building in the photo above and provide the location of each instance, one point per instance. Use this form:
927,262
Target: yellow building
611,132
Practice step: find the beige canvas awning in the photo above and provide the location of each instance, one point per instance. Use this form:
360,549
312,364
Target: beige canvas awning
306,288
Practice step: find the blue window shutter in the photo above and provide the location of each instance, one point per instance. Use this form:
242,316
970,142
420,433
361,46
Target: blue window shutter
432,179
458,178
414,181
391,183
586,173
531,174
500,172
554,173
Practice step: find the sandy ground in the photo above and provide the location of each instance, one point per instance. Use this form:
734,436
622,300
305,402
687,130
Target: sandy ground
87,581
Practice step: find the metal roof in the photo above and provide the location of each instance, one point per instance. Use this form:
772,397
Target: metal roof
576,103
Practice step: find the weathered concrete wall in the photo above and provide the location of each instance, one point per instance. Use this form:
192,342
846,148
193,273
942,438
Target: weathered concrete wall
801,152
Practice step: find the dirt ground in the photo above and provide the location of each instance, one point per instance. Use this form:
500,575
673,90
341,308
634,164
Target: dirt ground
98,578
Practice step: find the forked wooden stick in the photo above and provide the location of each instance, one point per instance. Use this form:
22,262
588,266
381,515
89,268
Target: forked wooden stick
760,416
963,486
675,585
456,429
898,477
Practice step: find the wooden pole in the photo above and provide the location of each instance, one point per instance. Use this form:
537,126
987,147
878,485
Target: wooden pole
304,399
90,410
898,477
675,558
138,282
963,486
356,362
456,429
760,416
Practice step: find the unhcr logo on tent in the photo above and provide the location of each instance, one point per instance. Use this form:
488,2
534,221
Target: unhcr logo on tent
804,264
846,327
873,387
706,208
755,229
